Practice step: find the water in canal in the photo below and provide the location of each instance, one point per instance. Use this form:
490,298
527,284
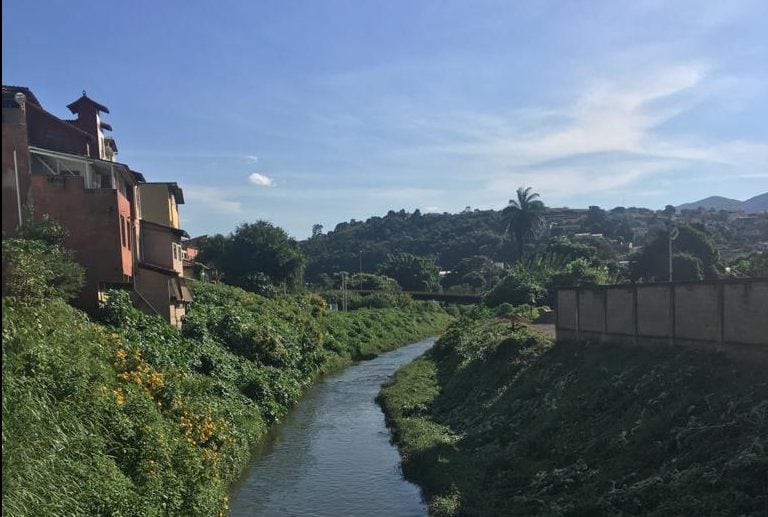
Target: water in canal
331,456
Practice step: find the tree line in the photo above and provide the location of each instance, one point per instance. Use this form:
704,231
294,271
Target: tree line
511,255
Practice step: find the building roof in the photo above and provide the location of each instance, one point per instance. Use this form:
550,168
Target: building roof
159,269
176,231
11,91
106,126
139,177
76,106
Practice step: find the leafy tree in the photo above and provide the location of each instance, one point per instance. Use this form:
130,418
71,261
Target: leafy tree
371,282
317,230
411,272
256,257
686,268
523,217
476,272
36,266
521,286
753,265
581,272
213,251
45,230
670,210
596,220
652,262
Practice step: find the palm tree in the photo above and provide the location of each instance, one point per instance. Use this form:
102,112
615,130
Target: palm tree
523,217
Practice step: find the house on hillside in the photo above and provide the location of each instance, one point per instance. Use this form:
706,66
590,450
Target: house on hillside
193,269
159,278
67,169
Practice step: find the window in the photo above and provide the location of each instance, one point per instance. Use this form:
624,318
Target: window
122,230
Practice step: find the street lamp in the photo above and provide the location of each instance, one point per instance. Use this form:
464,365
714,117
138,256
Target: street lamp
672,232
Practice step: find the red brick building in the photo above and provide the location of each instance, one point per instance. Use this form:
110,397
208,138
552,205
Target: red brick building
66,169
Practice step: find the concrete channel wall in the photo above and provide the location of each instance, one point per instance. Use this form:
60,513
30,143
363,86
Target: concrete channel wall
720,313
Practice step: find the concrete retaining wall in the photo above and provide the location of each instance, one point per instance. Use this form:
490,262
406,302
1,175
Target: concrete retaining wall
723,312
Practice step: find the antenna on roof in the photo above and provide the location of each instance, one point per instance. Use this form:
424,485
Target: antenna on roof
83,93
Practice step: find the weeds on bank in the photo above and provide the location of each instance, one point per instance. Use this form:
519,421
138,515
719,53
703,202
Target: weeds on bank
132,417
496,420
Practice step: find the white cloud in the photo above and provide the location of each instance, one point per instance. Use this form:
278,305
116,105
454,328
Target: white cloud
260,180
606,139
431,210
253,158
213,199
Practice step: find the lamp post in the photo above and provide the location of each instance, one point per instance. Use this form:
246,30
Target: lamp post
672,232
344,290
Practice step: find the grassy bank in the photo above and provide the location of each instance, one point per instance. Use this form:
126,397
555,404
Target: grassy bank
496,420
131,417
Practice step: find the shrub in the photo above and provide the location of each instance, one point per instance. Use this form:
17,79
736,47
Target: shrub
133,417
581,272
34,270
519,287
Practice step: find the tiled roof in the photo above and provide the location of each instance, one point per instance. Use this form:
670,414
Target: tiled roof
13,90
74,107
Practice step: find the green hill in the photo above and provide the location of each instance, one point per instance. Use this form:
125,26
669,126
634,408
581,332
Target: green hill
446,237
498,421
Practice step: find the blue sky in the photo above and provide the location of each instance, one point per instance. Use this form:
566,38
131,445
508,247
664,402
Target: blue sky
322,111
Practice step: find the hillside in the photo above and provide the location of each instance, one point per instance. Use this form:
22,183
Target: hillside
130,417
752,205
497,421
756,204
446,237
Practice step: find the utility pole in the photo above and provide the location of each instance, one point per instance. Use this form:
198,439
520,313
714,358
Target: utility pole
361,271
344,291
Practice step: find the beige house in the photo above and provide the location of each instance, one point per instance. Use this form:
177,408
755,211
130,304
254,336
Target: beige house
160,285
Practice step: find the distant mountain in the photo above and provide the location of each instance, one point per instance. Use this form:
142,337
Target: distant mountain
756,204
752,205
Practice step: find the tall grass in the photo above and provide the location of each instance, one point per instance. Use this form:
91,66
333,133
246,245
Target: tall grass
131,417
497,420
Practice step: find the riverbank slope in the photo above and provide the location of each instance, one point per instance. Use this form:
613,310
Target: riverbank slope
131,417
498,420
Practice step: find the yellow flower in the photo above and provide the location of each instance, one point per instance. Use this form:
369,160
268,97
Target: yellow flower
119,397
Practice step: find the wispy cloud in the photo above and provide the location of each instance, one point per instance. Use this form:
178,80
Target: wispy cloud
609,137
260,180
253,158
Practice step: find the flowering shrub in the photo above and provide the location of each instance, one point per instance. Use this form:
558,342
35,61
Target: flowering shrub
133,417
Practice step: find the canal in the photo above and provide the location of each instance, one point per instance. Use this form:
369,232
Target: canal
331,456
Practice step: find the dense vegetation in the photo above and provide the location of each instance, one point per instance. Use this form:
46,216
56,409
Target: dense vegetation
259,257
446,238
497,420
36,266
449,238
131,417
520,254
